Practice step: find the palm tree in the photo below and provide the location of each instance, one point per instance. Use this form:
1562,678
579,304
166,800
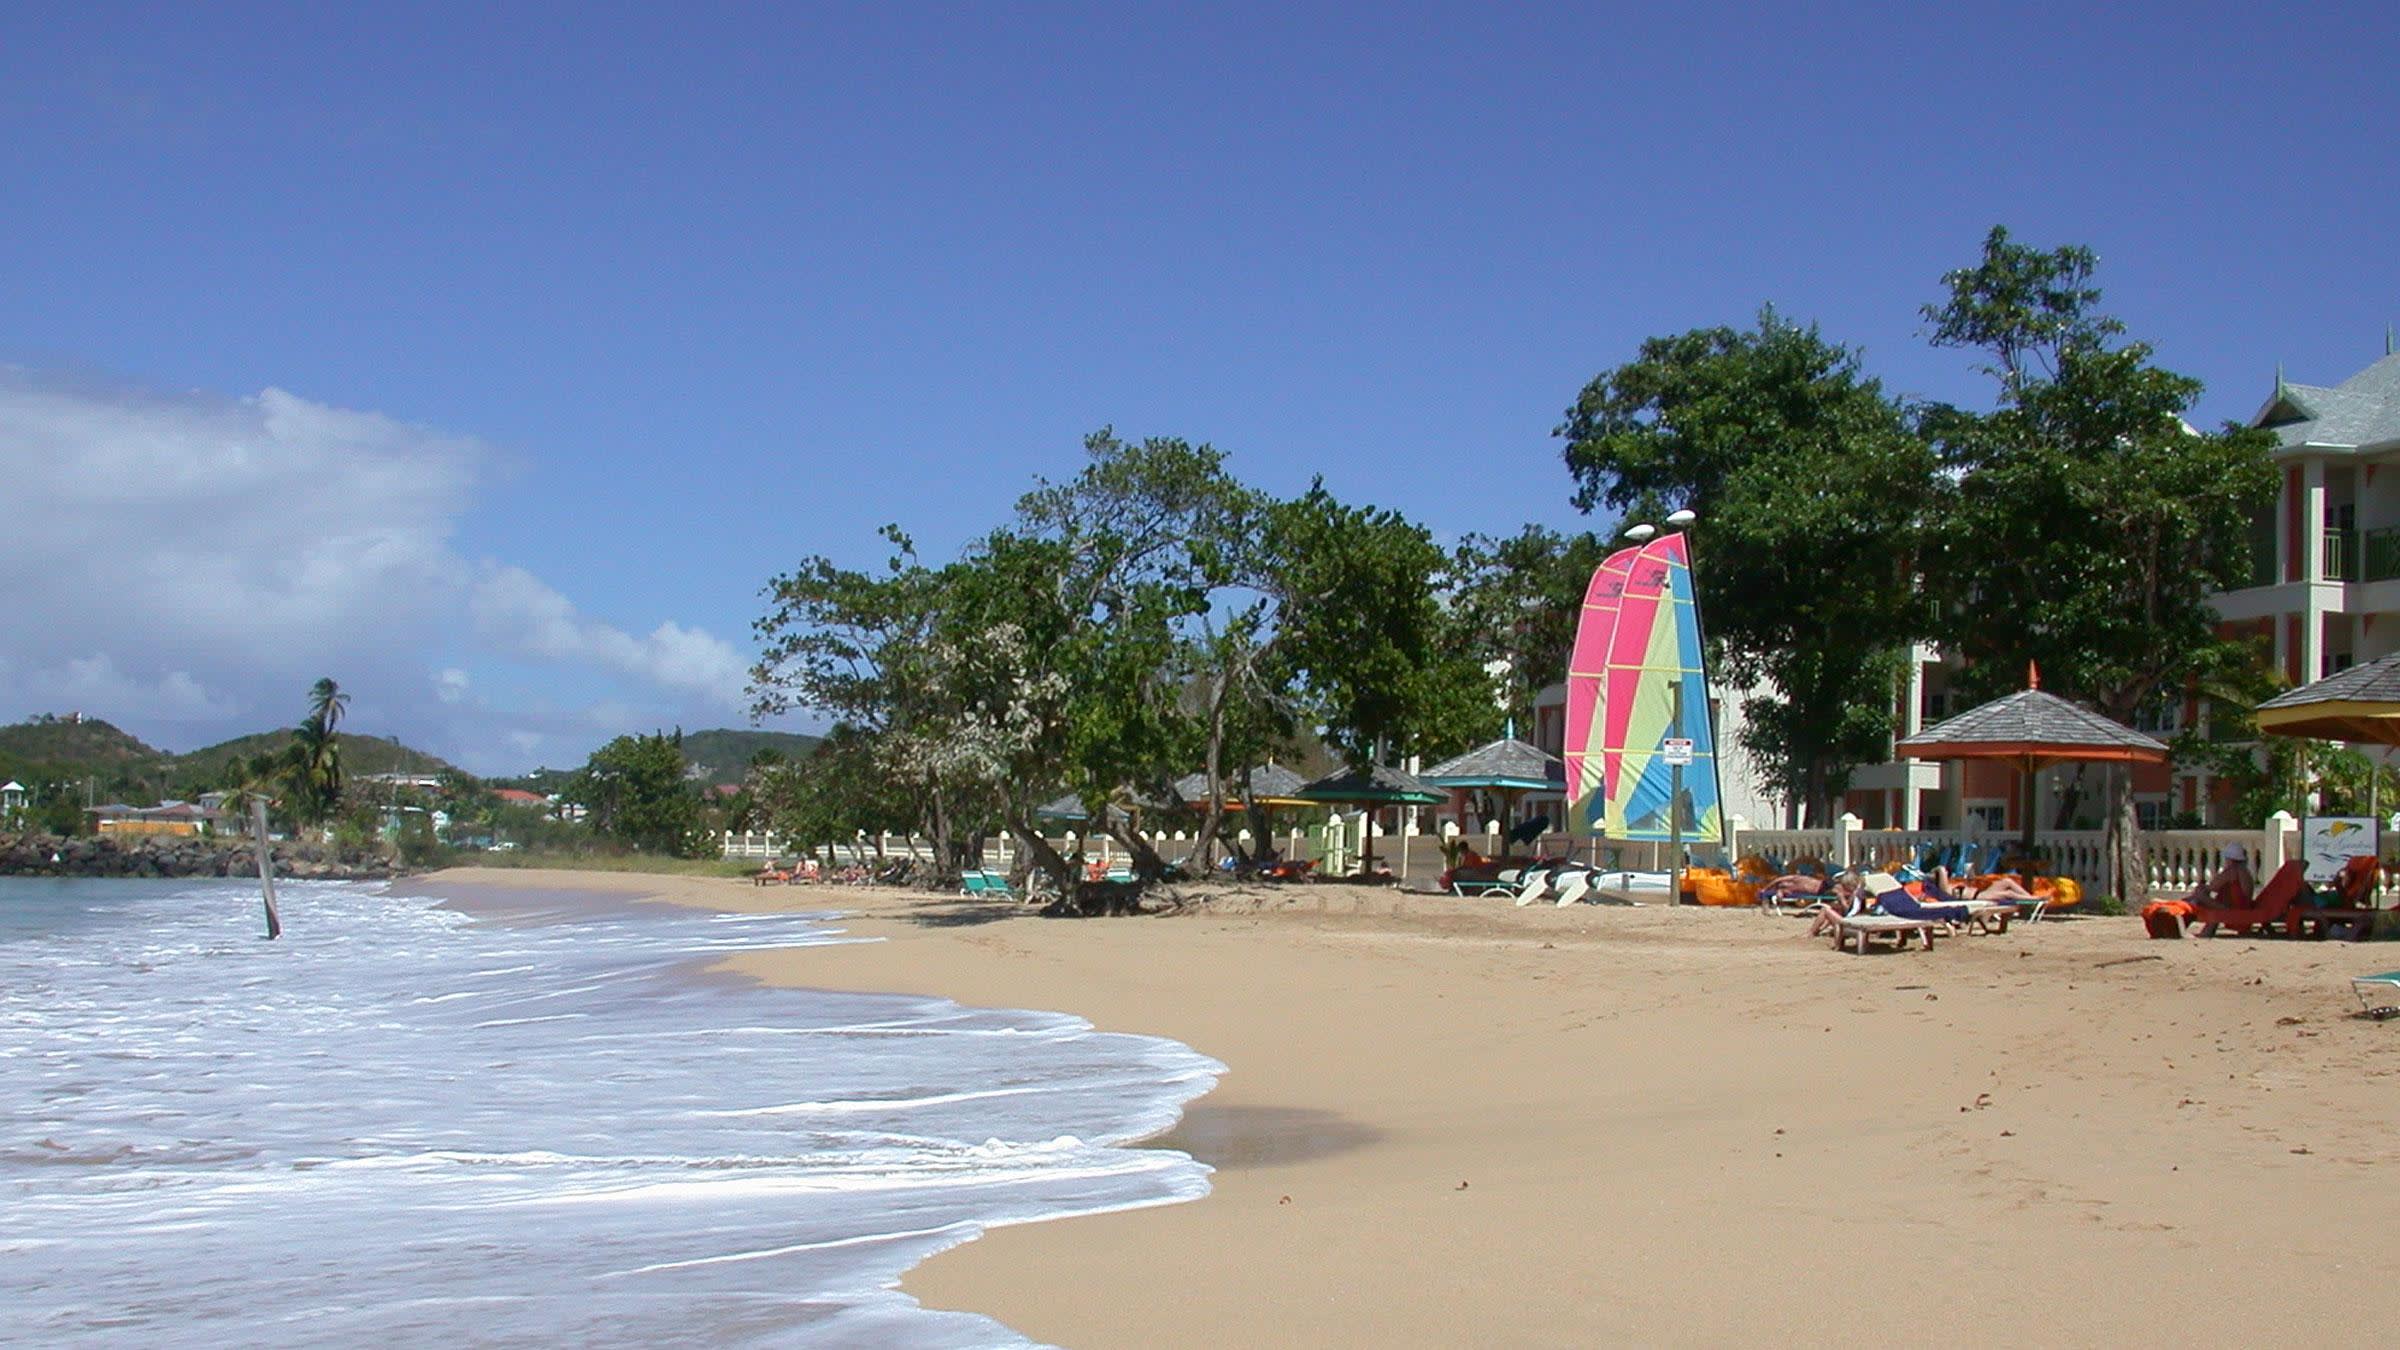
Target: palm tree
316,752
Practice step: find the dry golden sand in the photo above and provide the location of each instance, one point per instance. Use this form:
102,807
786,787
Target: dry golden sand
1454,1122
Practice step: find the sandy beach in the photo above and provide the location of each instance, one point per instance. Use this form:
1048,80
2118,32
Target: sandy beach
1453,1121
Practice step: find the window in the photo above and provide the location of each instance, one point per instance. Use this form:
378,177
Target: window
1991,817
2151,813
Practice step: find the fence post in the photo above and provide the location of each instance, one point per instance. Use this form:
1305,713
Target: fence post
1844,826
1734,826
2272,850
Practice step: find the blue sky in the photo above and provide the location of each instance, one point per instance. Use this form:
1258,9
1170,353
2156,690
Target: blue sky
490,359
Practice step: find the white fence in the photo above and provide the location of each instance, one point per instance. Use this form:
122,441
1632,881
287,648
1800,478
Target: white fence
2178,859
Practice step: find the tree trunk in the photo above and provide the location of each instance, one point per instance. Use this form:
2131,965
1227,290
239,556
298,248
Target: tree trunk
1204,849
1031,844
2128,860
937,824
1146,863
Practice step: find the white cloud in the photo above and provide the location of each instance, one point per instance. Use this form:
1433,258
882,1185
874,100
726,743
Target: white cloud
95,684
522,613
190,558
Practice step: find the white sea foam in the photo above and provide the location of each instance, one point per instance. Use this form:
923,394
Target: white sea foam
400,1123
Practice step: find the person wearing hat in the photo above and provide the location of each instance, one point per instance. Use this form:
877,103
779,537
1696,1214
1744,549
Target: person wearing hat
2232,886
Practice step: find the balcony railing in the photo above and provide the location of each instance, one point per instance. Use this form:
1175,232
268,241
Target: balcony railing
2383,554
2341,555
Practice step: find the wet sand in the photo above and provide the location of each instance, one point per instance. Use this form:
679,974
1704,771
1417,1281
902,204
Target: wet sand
1453,1121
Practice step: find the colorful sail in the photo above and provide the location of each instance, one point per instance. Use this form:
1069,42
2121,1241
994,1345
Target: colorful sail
1651,654
1586,685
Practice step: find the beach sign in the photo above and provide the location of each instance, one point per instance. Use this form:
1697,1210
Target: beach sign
2327,842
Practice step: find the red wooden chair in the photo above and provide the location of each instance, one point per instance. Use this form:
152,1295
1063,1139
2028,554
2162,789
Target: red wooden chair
2271,906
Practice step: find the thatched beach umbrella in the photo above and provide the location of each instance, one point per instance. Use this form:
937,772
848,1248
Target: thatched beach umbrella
1377,785
2033,731
1508,768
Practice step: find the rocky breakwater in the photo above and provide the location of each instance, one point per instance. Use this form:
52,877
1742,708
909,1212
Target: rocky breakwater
47,855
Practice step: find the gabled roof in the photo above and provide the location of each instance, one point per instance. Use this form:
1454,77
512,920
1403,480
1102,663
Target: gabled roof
1507,762
1375,783
2033,724
2361,410
1267,782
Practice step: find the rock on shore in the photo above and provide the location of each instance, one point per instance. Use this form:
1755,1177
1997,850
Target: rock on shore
48,855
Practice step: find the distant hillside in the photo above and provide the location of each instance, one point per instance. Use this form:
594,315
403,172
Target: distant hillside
360,755
89,741
724,755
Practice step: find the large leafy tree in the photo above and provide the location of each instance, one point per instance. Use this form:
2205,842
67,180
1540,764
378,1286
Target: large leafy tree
2091,522
921,677
1384,666
1815,497
1518,600
1052,656
633,790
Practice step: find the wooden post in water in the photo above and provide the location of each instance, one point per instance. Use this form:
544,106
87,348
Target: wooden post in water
266,865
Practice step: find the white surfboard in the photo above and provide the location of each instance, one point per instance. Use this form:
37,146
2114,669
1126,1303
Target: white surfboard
1536,881
1571,887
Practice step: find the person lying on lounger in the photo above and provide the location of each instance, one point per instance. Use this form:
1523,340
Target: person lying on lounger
1893,898
1845,902
2006,888
1792,884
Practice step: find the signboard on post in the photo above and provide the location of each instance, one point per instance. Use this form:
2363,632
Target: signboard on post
2327,842
1675,750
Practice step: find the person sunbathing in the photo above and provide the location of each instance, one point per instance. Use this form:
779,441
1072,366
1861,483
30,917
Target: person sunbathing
1893,898
1829,915
1944,887
1793,884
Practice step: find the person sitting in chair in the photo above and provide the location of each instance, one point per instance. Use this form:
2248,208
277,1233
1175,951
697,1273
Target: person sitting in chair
2231,887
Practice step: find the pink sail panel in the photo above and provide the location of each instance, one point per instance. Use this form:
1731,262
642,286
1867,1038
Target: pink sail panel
1656,666
1625,692
1586,668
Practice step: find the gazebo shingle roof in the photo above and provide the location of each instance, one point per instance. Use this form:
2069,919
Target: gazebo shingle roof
1507,762
2036,722
1376,783
2377,681
1266,780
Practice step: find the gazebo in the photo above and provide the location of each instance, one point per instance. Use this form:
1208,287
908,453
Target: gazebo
1508,768
12,797
2361,704
2033,731
1370,787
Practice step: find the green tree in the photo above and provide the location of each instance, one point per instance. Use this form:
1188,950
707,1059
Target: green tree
1815,496
1385,668
1518,600
633,791
2093,523
314,782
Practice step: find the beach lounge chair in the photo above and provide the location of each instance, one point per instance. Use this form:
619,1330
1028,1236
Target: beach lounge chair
1855,931
2378,995
2271,906
983,881
773,874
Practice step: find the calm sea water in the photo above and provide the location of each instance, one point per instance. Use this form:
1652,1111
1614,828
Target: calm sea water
409,1124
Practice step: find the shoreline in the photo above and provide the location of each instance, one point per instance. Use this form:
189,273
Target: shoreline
1449,1120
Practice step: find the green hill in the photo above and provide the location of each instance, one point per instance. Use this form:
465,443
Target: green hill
723,755
360,755
85,741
